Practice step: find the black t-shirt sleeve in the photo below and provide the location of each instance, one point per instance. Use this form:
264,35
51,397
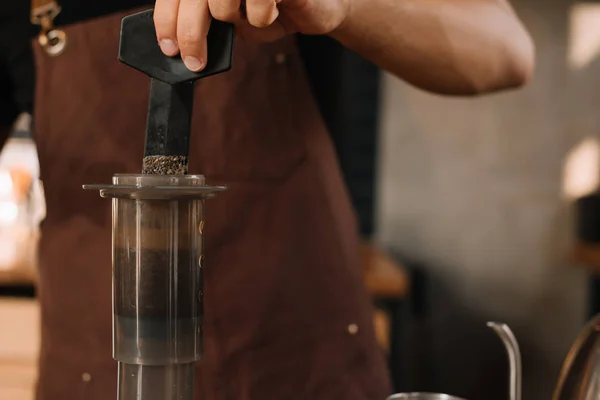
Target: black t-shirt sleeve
72,10
17,66
81,10
17,75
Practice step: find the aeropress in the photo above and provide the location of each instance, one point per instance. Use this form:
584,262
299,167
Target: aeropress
157,223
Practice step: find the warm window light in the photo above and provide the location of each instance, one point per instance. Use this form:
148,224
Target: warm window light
8,255
6,185
584,35
21,181
9,212
581,173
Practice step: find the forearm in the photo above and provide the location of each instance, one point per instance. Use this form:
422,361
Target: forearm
449,47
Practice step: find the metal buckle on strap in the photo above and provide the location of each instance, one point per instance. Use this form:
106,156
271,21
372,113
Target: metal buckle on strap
52,40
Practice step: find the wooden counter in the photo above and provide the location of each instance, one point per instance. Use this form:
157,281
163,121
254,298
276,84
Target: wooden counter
385,279
383,276
19,345
588,255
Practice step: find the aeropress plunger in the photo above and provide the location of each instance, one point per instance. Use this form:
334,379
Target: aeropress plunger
158,217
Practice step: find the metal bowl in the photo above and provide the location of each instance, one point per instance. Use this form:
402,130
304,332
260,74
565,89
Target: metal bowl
422,396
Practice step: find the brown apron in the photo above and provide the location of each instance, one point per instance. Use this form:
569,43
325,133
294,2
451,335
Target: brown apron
284,294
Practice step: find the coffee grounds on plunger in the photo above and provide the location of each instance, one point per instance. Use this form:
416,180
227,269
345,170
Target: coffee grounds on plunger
165,165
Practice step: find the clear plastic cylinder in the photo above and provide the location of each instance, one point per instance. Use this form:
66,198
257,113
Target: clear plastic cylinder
157,287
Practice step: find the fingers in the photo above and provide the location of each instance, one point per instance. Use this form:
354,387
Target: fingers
225,10
261,13
182,25
193,24
165,21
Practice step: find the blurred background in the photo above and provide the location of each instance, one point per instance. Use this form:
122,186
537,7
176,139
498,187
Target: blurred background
471,210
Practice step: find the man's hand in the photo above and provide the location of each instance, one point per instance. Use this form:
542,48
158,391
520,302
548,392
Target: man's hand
182,25
455,47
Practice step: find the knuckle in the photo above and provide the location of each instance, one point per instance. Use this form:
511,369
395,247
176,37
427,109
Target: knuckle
222,11
190,44
226,15
261,13
188,41
260,23
163,23
259,20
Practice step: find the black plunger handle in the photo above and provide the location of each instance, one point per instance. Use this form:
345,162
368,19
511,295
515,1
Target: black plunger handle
172,84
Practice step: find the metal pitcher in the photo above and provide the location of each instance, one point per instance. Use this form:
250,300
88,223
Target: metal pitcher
514,358
423,396
580,375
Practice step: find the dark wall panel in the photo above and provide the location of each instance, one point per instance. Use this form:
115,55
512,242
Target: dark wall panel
346,88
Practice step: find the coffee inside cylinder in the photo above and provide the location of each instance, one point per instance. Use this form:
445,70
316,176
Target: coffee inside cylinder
157,288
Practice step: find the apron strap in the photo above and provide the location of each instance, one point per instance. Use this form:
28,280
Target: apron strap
43,12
